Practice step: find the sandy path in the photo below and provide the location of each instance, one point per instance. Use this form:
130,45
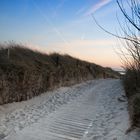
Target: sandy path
94,114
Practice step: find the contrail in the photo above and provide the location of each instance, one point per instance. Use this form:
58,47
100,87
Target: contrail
51,24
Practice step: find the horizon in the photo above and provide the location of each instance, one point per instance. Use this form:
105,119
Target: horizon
64,26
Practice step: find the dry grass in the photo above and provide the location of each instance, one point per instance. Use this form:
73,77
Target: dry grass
25,73
132,88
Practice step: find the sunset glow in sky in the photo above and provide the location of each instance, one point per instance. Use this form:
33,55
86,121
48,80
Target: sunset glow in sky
64,26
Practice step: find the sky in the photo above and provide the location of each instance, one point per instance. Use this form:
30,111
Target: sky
64,26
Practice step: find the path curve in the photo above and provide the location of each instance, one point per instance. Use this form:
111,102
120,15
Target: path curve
97,114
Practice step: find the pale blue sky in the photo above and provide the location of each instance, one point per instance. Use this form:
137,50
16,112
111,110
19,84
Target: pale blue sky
64,26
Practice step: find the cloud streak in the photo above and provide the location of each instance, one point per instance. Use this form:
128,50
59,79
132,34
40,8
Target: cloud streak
57,8
97,6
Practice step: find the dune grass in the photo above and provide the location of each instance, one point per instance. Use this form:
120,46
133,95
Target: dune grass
25,73
132,87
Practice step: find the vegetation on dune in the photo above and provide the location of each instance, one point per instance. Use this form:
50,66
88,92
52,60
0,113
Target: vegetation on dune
25,73
130,56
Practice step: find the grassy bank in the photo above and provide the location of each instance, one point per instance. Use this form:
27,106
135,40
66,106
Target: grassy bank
132,88
25,73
